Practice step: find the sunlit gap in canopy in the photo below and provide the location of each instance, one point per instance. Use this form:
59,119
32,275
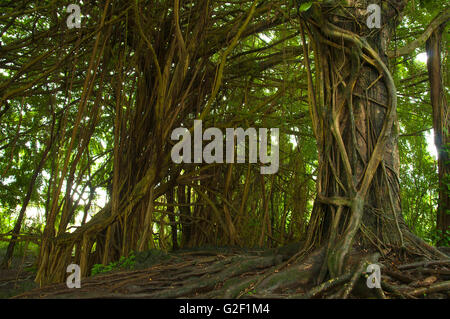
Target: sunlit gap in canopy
37,213
422,57
431,147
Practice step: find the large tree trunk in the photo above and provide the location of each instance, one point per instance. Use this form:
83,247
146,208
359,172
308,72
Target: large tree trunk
353,106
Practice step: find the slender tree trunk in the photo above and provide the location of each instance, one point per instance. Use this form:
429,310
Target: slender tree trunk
18,225
441,126
173,223
185,215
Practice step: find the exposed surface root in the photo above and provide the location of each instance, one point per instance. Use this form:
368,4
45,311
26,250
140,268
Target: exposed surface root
259,274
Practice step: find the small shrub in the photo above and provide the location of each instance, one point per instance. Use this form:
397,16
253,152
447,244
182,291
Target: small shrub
124,263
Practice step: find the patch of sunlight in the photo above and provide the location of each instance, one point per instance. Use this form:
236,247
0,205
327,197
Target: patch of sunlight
431,147
422,57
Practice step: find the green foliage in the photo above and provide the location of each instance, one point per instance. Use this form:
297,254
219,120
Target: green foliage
305,6
124,263
419,187
444,239
251,292
419,184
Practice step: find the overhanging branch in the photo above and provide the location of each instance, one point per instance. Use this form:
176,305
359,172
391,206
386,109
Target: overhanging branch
440,19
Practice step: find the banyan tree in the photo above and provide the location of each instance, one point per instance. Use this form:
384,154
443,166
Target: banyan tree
136,70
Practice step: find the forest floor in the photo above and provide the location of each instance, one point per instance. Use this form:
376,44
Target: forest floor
237,273
19,278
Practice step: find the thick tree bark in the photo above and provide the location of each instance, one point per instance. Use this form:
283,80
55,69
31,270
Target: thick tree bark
441,131
353,106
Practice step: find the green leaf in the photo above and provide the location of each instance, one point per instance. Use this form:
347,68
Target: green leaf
305,6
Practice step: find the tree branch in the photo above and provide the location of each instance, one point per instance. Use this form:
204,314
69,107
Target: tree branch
440,19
